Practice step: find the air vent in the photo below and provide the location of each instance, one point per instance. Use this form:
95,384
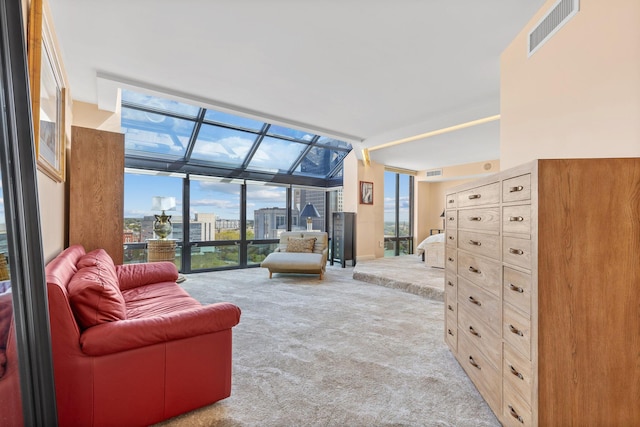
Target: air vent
434,172
561,12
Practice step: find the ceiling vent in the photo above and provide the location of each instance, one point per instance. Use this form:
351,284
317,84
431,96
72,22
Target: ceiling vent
434,172
561,12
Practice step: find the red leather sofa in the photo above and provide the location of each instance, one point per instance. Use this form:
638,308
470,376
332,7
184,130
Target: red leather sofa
130,346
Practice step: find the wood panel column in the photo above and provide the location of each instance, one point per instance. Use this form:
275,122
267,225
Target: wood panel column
96,190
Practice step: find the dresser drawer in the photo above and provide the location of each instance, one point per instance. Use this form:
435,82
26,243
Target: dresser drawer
487,379
487,341
516,330
451,201
451,306
479,304
450,237
481,271
479,243
515,412
517,252
517,220
451,327
517,289
484,195
481,219
518,374
451,219
516,188
451,260
451,284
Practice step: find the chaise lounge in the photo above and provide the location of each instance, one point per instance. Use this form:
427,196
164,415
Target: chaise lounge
303,252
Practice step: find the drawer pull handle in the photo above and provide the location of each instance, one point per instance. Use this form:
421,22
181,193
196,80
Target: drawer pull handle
451,201
450,259
474,332
475,243
475,218
449,307
516,219
452,218
474,196
449,283
475,301
473,363
516,251
452,238
515,415
474,270
516,189
516,373
515,288
516,331
449,332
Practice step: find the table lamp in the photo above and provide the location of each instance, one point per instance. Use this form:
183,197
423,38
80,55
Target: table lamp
309,212
162,226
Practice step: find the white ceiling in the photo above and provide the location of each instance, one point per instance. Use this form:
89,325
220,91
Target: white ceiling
366,71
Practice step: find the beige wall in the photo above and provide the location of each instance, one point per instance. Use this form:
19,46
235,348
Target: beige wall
369,218
579,94
88,116
429,193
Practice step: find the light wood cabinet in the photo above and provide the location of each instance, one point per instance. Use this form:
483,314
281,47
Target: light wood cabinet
542,311
96,190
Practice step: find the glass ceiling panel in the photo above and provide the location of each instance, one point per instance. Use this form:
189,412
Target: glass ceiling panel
163,129
162,104
291,133
236,121
276,155
222,145
155,133
319,161
323,140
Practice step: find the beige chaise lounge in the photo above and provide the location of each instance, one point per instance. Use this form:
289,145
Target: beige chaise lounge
299,252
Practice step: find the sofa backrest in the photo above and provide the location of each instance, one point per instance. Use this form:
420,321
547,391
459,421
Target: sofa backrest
322,239
65,332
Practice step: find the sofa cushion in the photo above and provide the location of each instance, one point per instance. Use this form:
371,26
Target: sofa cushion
99,258
301,244
287,262
95,297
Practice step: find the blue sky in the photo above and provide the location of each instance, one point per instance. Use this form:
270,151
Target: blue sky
223,199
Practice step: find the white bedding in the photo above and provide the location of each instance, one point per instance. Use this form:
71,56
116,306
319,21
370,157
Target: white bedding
436,238
433,249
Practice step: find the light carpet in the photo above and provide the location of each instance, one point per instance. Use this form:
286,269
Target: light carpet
334,352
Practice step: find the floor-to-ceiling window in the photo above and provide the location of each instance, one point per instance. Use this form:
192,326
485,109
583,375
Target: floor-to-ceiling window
139,215
267,217
398,213
216,223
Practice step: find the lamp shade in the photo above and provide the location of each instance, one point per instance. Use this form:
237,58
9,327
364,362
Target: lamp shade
309,211
162,203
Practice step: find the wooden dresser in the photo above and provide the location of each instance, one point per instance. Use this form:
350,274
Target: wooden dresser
542,291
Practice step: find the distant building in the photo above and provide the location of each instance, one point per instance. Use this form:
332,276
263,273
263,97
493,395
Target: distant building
130,236
268,221
207,223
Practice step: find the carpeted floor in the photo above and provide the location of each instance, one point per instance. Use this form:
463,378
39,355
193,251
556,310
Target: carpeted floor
336,352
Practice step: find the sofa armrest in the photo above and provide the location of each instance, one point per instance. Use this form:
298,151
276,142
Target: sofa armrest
134,275
122,335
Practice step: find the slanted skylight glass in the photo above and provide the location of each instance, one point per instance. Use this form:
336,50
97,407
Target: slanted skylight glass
276,155
171,136
222,145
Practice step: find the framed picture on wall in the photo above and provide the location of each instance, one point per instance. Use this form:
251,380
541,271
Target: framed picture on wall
366,193
47,95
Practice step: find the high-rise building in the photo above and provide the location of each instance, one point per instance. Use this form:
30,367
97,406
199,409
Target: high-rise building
207,223
269,221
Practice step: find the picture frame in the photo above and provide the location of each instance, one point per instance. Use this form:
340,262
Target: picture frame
48,95
366,193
